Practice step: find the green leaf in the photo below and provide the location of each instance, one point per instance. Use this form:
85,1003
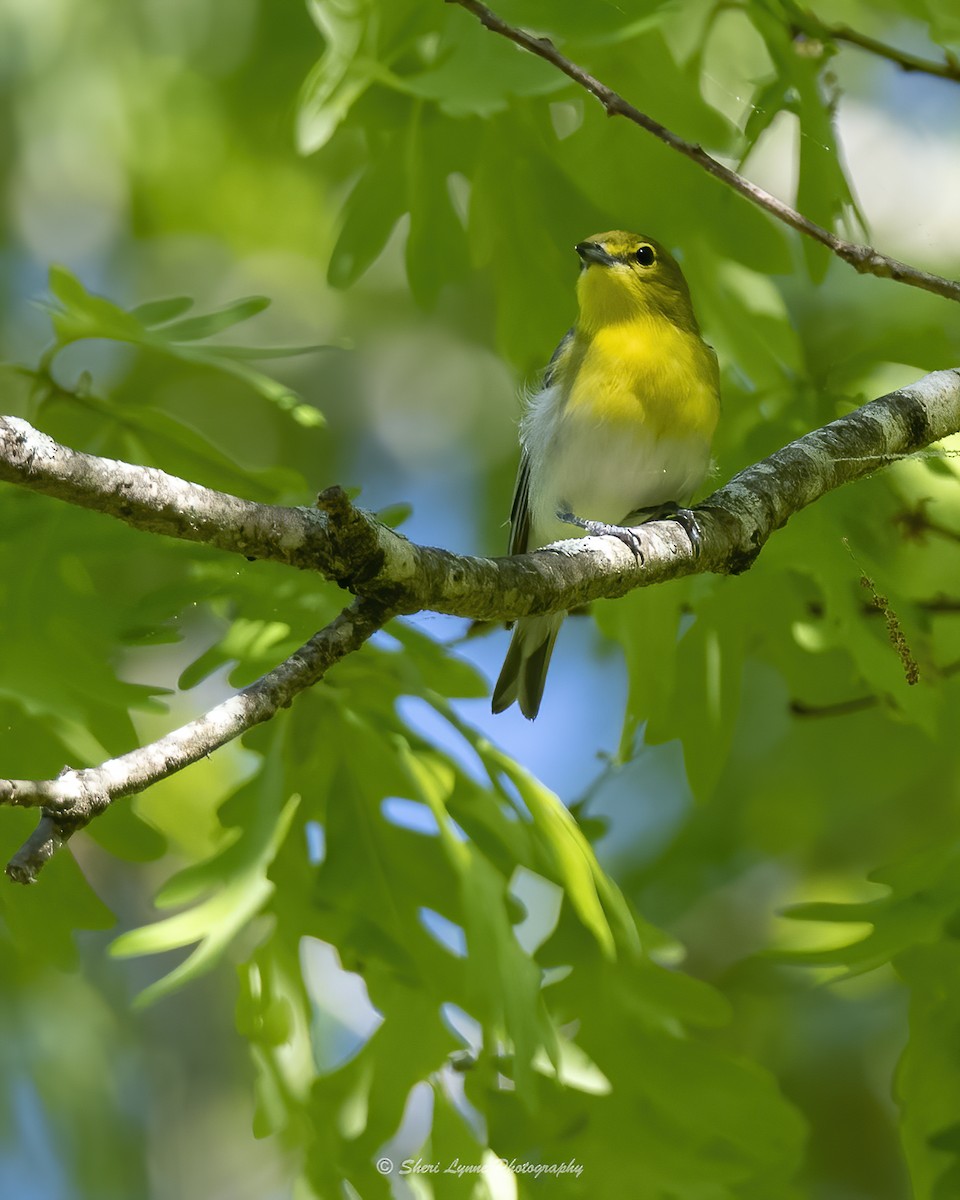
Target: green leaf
256,645
341,76
237,878
425,666
927,1084
436,251
767,104
158,312
924,895
504,980
244,352
369,214
646,624
476,74
707,684
43,920
87,315
823,194
597,22
193,328
593,895
125,835
394,515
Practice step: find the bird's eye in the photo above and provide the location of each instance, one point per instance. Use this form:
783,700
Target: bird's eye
646,256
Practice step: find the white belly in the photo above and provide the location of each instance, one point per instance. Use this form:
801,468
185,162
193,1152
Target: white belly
601,471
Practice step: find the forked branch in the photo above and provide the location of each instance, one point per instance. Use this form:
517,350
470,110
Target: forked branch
391,575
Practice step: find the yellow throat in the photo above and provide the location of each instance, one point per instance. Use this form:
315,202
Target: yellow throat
637,357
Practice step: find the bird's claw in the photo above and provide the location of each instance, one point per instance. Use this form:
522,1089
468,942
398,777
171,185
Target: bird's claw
623,533
686,518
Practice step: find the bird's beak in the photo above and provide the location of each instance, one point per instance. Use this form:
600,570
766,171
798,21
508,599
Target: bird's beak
593,252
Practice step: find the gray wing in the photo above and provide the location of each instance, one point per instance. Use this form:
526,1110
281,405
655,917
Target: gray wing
555,357
520,508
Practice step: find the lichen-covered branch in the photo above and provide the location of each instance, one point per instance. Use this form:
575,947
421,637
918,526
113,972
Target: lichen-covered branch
75,797
392,575
348,545
862,258
156,502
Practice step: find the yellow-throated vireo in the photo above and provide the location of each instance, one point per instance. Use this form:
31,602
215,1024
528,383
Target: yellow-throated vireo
619,430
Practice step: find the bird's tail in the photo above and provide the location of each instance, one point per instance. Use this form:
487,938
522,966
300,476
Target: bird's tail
525,667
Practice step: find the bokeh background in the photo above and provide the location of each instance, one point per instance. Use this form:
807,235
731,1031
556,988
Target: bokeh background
422,235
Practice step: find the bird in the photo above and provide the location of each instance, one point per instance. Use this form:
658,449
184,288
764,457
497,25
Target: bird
619,430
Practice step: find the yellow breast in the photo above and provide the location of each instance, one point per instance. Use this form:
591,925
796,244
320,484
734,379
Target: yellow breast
645,372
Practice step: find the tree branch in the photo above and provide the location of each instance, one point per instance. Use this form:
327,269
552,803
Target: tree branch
862,258
810,25
351,547
393,575
74,798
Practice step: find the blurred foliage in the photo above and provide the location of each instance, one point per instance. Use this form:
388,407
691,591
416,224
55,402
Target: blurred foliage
426,953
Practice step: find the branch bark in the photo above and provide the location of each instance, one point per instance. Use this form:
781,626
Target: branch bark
864,259
391,575
352,548
74,798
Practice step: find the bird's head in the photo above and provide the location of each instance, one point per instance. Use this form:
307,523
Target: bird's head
626,275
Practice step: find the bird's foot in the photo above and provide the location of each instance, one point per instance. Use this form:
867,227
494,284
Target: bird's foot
602,529
685,517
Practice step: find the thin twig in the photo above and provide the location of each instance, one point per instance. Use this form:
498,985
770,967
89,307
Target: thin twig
862,258
810,24
74,798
